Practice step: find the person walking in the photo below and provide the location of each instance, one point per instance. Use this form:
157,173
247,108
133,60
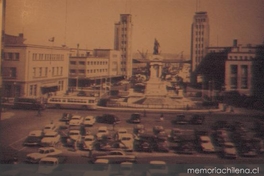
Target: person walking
39,112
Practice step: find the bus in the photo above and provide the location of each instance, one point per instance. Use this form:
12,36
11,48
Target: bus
29,103
72,102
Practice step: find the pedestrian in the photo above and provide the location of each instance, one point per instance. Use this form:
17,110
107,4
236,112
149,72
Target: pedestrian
161,117
90,153
114,126
39,111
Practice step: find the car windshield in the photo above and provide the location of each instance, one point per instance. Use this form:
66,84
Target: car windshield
75,118
87,119
101,131
41,151
51,135
126,139
229,146
74,133
88,139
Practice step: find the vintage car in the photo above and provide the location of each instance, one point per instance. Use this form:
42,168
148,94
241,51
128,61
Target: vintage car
42,152
139,128
50,127
102,131
66,117
157,129
206,144
229,150
157,168
34,138
50,138
76,120
116,156
186,148
89,120
88,142
75,135
135,118
126,142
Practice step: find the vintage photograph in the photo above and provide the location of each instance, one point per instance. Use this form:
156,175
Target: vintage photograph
131,87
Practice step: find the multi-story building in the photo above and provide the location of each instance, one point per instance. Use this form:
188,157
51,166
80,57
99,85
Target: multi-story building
33,70
123,42
238,69
199,40
101,64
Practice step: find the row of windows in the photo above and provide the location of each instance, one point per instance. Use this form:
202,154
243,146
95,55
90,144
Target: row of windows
199,39
199,46
43,71
9,72
234,70
199,26
199,52
200,20
89,71
11,56
240,57
89,62
47,57
71,100
234,82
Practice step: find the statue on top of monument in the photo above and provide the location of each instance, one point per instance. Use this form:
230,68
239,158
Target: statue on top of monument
156,47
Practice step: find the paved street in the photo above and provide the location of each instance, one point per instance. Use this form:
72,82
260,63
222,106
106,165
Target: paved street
15,128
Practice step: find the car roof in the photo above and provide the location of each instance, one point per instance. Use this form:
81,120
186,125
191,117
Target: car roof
127,135
204,137
122,129
89,116
35,133
89,136
51,133
157,162
74,131
102,128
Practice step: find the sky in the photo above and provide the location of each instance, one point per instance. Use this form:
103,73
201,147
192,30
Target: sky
90,23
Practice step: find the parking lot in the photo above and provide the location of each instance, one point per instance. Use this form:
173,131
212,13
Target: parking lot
190,147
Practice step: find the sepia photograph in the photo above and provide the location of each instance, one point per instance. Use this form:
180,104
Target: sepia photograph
131,87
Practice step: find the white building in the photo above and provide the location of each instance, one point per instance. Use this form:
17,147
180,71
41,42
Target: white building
33,70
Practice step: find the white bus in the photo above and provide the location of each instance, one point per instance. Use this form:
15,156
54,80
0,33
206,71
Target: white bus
72,102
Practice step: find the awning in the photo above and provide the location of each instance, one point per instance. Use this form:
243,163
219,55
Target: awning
49,87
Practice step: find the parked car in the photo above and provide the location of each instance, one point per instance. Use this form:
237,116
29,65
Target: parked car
186,148
206,144
48,165
143,146
50,127
157,129
102,131
162,135
50,138
89,120
127,142
181,119
197,119
116,156
157,168
175,134
161,146
88,142
108,118
42,152
135,118
76,120
66,117
229,150
75,135
247,150
34,138
138,129
119,133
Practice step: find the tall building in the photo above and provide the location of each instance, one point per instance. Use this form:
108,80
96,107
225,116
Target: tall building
123,42
199,39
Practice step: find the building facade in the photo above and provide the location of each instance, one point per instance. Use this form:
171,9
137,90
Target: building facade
238,69
123,43
91,69
33,70
199,40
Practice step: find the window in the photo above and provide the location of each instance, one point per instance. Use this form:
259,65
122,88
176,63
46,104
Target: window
88,63
233,69
73,62
53,71
72,71
16,56
57,70
9,72
81,71
46,71
34,72
40,71
81,62
61,70
244,76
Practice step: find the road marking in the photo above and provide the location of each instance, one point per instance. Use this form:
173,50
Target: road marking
18,140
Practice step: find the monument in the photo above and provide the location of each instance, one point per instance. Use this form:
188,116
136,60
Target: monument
155,87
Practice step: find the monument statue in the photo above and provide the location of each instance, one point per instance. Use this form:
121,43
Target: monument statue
156,47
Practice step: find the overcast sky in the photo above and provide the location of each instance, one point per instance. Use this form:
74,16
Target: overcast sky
91,22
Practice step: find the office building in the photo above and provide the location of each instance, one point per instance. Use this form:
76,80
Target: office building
123,43
33,70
